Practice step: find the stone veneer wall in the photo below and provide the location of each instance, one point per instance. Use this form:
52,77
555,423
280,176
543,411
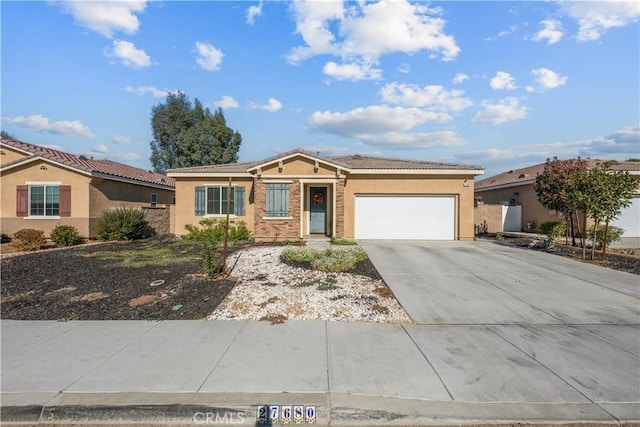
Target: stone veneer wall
277,228
339,189
159,219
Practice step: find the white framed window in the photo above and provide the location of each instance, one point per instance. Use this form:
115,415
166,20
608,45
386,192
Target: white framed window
154,200
212,200
44,200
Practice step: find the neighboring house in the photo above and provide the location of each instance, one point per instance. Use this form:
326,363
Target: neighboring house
42,188
300,194
522,210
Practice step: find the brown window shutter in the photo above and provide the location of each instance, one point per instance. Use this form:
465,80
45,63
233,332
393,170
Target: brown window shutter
65,200
22,202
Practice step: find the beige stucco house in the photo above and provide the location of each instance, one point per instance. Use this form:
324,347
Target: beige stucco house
512,193
42,187
300,194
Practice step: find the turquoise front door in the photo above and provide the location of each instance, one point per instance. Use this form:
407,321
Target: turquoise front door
317,210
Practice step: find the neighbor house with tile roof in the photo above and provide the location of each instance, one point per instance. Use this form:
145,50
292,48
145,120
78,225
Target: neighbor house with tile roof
43,187
301,194
515,188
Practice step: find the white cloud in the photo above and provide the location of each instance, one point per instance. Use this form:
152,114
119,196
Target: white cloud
153,91
503,81
129,55
253,12
596,18
209,57
460,78
100,149
363,31
121,140
370,120
417,140
548,79
127,157
432,96
351,71
504,111
40,123
106,17
328,150
272,105
404,68
551,31
227,103
382,125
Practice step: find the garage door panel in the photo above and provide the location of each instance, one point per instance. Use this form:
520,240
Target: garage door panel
629,219
405,217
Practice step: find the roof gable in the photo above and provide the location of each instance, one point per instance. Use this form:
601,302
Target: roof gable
297,153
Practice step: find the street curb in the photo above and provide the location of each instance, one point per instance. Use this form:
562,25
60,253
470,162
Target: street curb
333,409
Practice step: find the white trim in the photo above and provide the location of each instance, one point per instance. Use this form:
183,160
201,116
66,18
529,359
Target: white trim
277,181
42,217
223,216
34,158
16,148
473,172
508,185
326,176
268,218
296,154
209,174
43,183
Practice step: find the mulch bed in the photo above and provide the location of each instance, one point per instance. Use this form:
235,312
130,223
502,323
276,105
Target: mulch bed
617,259
74,284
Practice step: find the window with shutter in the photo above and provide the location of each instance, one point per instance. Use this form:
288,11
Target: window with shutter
22,202
212,200
65,200
200,207
277,200
239,201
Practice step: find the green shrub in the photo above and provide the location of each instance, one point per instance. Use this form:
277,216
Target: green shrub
28,239
212,231
300,254
213,263
329,260
553,229
339,260
613,235
342,241
65,235
122,224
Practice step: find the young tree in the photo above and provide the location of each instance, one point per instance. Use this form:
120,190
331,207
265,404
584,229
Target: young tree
620,186
551,187
587,192
187,135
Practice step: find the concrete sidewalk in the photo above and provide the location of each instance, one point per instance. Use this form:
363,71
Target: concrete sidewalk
220,372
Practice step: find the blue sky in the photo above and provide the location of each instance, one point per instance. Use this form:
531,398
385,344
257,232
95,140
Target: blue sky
497,84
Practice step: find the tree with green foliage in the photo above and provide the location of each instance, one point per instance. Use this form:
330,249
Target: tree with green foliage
551,187
186,135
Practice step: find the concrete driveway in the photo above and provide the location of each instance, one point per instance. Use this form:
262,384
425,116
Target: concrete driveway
479,283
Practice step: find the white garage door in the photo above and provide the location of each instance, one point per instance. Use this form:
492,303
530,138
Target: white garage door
629,219
405,217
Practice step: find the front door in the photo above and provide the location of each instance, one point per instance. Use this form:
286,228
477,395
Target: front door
318,210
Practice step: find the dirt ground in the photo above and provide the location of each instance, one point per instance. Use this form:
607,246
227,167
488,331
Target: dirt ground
93,282
617,259
115,281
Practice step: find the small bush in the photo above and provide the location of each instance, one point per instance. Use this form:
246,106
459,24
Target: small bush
28,239
342,241
4,238
212,231
553,229
123,224
336,261
300,254
65,235
613,235
213,263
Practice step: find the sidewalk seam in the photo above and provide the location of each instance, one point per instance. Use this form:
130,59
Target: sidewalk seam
244,323
427,359
327,341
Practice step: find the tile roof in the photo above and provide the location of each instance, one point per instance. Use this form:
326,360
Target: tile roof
528,175
87,165
350,162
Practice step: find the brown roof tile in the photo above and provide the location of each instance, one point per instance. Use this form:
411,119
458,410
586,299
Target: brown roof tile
351,162
91,166
528,175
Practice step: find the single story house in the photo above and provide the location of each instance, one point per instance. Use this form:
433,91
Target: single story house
522,210
43,187
300,194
